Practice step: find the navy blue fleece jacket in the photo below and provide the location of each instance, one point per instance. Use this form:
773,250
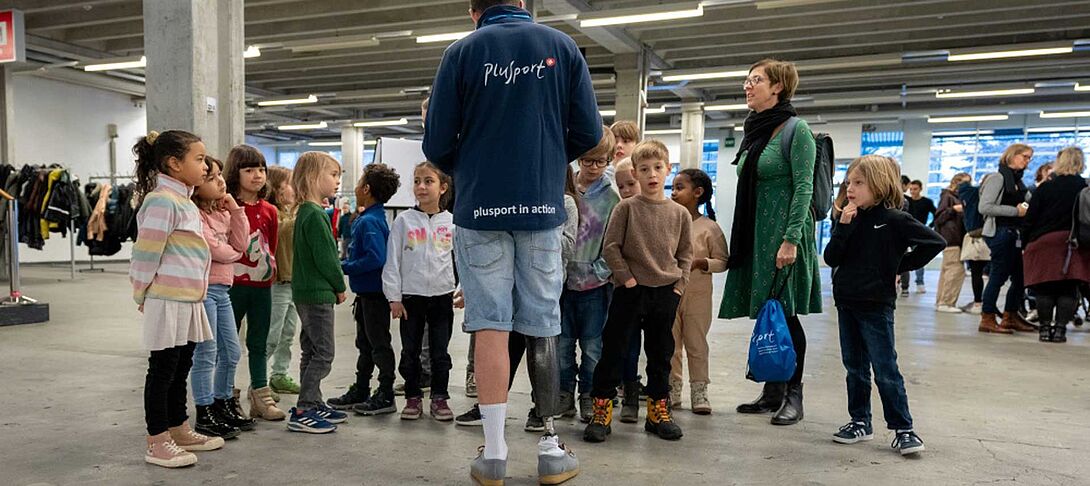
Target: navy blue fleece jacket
367,250
511,106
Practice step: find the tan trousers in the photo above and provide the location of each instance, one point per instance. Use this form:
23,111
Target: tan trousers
691,326
951,278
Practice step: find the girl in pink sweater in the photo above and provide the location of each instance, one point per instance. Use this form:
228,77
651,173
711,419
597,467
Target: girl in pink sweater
227,233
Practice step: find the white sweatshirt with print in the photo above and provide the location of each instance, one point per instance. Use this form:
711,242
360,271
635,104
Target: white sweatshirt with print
419,256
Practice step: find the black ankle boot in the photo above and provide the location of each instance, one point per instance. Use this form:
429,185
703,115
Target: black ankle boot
770,400
229,415
791,411
1059,333
209,423
1045,332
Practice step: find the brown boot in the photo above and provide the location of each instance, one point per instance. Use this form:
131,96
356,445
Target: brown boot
263,406
1015,322
988,323
190,440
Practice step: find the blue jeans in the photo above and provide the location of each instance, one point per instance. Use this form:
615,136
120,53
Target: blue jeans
1006,264
582,319
511,280
221,354
866,341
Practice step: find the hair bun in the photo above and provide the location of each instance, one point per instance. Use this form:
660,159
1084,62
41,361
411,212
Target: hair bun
151,136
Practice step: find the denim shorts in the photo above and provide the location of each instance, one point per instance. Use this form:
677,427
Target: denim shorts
511,280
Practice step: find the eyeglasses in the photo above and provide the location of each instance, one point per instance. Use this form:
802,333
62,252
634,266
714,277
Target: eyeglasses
752,81
588,163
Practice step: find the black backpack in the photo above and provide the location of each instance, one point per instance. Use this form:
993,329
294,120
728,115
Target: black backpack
1080,220
822,201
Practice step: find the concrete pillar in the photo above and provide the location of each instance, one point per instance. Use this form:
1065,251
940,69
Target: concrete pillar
7,115
195,69
917,150
351,156
631,84
692,135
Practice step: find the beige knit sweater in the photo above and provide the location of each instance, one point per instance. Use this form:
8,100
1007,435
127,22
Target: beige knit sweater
649,240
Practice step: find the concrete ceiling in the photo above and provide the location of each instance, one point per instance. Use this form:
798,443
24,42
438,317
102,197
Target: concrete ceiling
849,52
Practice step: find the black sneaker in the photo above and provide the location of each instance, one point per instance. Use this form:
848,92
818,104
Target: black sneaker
472,418
354,396
379,403
854,432
904,292
907,442
534,423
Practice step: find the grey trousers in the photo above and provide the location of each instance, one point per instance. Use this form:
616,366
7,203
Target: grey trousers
317,347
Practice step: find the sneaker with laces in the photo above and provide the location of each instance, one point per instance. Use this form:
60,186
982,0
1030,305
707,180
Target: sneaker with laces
853,432
488,472
309,422
354,396
555,462
330,415
163,451
567,404
189,440
283,384
586,408
440,410
472,418
413,409
907,442
920,289
533,422
601,421
379,403
471,385
904,292
659,421
949,309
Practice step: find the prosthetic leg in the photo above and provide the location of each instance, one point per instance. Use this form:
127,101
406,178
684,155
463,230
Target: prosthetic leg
555,462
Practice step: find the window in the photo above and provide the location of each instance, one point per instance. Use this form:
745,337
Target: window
889,144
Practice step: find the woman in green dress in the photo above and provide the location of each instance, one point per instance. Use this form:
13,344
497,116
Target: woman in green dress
772,237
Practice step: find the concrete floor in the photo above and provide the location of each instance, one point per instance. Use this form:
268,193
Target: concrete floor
992,409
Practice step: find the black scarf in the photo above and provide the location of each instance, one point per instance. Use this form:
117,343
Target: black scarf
759,128
1013,187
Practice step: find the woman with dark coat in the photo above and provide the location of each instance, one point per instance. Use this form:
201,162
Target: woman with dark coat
950,223
1053,268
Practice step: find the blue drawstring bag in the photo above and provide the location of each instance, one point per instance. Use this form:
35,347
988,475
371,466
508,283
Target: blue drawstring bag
771,352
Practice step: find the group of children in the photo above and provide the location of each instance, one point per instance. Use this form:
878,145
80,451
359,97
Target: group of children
226,241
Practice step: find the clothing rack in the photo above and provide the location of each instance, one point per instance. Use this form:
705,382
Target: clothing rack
113,182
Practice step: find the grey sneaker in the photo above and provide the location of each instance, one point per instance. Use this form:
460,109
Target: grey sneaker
487,472
567,403
586,408
555,462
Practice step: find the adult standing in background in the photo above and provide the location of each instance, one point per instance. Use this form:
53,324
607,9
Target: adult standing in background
512,104
1003,205
950,223
777,191
922,209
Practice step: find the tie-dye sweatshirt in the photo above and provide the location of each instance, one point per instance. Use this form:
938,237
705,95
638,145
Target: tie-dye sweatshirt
587,270
170,258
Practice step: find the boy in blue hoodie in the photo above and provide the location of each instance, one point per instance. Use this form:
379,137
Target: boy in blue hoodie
366,257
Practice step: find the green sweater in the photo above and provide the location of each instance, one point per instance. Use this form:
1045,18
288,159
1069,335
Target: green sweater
316,272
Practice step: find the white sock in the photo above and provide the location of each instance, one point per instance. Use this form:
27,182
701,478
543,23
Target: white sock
549,445
494,416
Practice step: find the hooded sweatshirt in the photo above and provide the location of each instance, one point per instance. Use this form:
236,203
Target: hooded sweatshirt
511,105
587,269
419,256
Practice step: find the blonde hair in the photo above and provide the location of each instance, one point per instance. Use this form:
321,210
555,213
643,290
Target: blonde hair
277,176
625,164
626,129
883,177
604,149
308,169
781,72
650,150
1014,149
1069,161
958,179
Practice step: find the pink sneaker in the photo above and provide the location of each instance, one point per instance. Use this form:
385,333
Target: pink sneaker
440,411
413,409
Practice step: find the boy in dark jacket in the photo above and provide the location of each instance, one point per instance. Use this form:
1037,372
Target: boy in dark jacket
871,244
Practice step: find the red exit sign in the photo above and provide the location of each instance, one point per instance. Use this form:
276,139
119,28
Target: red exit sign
12,48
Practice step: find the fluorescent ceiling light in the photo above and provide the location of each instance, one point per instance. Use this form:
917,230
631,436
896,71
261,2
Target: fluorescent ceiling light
448,37
1055,129
382,123
304,126
324,144
661,109
735,107
607,112
704,75
251,52
788,3
635,16
328,43
671,131
1066,114
983,94
970,118
127,63
740,129
963,133
1080,87
977,56
370,143
289,101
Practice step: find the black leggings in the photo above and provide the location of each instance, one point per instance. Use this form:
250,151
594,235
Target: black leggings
976,272
165,388
1057,302
798,339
